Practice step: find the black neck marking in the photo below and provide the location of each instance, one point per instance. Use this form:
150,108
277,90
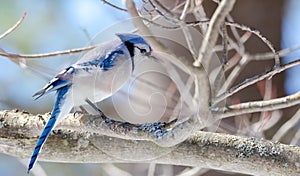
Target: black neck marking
130,48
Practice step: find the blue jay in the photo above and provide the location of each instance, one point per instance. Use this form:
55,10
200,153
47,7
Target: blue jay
96,76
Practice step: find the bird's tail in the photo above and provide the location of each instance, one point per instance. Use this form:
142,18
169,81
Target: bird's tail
62,107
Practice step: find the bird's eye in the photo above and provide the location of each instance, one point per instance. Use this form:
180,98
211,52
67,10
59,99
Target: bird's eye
143,50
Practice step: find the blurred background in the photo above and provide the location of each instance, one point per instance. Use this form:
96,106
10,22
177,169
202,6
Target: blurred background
59,25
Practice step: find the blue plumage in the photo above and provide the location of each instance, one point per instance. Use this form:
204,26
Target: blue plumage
110,60
92,77
48,128
104,63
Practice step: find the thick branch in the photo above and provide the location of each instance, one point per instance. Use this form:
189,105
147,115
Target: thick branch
73,141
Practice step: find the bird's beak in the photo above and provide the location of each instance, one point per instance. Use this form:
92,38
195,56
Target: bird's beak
148,54
152,56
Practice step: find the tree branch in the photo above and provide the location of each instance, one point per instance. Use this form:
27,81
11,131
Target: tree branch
43,55
114,6
250,81
211,35
73,141
257,106
15,26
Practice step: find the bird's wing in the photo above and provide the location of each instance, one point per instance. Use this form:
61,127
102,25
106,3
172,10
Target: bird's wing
61,80
103,57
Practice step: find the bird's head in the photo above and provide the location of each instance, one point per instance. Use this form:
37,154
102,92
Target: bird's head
135,44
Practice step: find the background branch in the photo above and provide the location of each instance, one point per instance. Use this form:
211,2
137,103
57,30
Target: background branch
250,81
258,106
211,35
43,55
15,26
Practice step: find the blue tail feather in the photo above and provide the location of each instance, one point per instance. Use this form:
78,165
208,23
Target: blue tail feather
50,124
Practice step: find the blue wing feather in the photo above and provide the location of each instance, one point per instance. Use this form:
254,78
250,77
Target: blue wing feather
61,94
105,63
61,80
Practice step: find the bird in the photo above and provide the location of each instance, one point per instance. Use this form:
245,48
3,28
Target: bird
96,76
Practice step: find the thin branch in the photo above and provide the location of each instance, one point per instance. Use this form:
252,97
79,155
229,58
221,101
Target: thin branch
160,9
246,59
267,56
211,35
185,10
233,75
43,55
234,45
257,106
258,34
225,45
286,127
73,141
10,30
249,81
199,14
114,6
236,35
220,73
186,32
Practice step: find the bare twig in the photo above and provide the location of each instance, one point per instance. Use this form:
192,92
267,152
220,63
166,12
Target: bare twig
185,30
258,34
199,14
234,74
287,126
10,30
246,58
211,36
254,31
236,34
43,55
249,81
267,56
257,106
158,7
114,6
